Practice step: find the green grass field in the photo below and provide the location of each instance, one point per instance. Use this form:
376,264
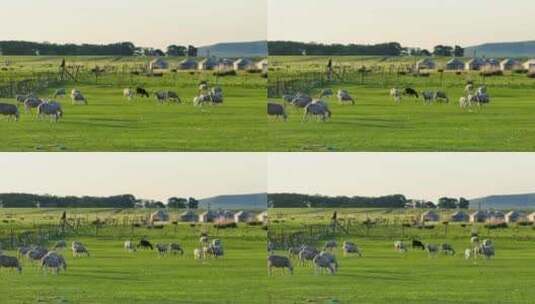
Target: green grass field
112,275
111,123
377,123
382,275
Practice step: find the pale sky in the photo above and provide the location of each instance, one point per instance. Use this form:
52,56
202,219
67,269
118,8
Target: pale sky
415,23
156,23
146,175
416,175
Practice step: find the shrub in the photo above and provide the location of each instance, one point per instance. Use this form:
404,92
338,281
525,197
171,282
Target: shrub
491,73
496,226
225,73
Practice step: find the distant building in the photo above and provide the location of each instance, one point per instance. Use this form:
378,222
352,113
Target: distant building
244,217
159,216
262,217
455,64
427,64
529,65
262,65
225,64
207,216
187,64
158,64
514,217
430,216
531,217
510,65
474,64
491,65
207,64
478,217
243,64
459,216
188,216
496,216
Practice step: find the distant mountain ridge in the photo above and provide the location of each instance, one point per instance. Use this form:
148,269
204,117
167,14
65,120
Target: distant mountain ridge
506,201
521,49
237,201
235,49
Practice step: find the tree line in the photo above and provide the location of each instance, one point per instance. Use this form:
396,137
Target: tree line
27,48
296,200
25,200
292,48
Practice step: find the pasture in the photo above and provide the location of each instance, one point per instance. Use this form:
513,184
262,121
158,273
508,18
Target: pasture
377,123
112,123
113,275
383,275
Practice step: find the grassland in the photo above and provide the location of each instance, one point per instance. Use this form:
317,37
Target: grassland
111,123
376,123
382,275
112,275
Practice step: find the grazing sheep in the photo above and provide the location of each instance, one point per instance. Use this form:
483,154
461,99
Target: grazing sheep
344,97
128,93
175,249
411,92
52,109
10,263
78,249
145,244
142,92
428,96
350,247
275,261
418,244
441,97
9,110
399,246
32,103
162,249
54,262
330,245
396,94
317,110
36,253
277,110
431,249
78,99
307,254
301,101
327,261
447,249
129,246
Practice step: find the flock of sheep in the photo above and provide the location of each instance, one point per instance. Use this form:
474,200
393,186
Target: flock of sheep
325,259
319,108
53,261
48,107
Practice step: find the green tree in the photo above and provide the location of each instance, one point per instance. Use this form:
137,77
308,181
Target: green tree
193,203
447,203
177,203
176,50
458,51
464,203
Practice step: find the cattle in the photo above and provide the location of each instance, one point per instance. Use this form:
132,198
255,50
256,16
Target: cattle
59,93
10,263
128,93
441,96
486,243
203,240
351,248
270,247
9,110
217,98
145,244
51,109
214,251
431,249
32,103
203,86
217,242
22,98
307,254
78,99
469,89
325,260
293,252
129,246
202,99
482,90
142,92
275,261
288,98
175,249
399,246
396,94
447,249
344,97
78,249
163,96
216,90
486,251
418,244
330,245
411,92
53,262
23,250
317,110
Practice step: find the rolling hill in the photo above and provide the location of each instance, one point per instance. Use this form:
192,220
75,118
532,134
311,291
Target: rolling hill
235,49
510,201
238,201
502,49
